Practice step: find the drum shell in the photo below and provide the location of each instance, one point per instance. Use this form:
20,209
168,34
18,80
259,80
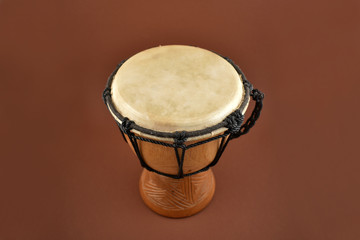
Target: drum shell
163,159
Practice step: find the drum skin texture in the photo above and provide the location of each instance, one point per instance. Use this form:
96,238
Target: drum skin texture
176,88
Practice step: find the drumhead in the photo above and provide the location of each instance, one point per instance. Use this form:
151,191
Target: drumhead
176,88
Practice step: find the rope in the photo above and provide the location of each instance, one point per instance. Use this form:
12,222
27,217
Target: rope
234,123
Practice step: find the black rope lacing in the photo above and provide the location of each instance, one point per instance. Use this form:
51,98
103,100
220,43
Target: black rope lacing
233,123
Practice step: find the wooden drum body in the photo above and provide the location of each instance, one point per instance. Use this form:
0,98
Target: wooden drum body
177,197
177,107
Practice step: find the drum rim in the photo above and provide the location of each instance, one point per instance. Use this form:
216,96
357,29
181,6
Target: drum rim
172,135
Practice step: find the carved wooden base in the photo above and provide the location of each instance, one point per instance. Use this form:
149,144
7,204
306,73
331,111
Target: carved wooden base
177,198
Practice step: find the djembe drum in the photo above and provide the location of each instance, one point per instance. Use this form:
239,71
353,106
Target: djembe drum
178,107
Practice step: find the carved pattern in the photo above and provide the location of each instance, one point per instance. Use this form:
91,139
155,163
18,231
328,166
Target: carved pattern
177,194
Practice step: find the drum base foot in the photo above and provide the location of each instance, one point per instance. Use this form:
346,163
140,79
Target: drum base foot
177,198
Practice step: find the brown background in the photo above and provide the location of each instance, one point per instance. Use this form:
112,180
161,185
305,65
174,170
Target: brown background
67,174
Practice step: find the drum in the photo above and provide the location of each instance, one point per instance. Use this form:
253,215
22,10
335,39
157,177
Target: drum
178,107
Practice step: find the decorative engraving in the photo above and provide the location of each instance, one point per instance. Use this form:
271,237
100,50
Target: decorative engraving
177,194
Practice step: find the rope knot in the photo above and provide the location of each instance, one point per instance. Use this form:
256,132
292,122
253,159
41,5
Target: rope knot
247,84
126,125
234,121
180,138
107,92
257,95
